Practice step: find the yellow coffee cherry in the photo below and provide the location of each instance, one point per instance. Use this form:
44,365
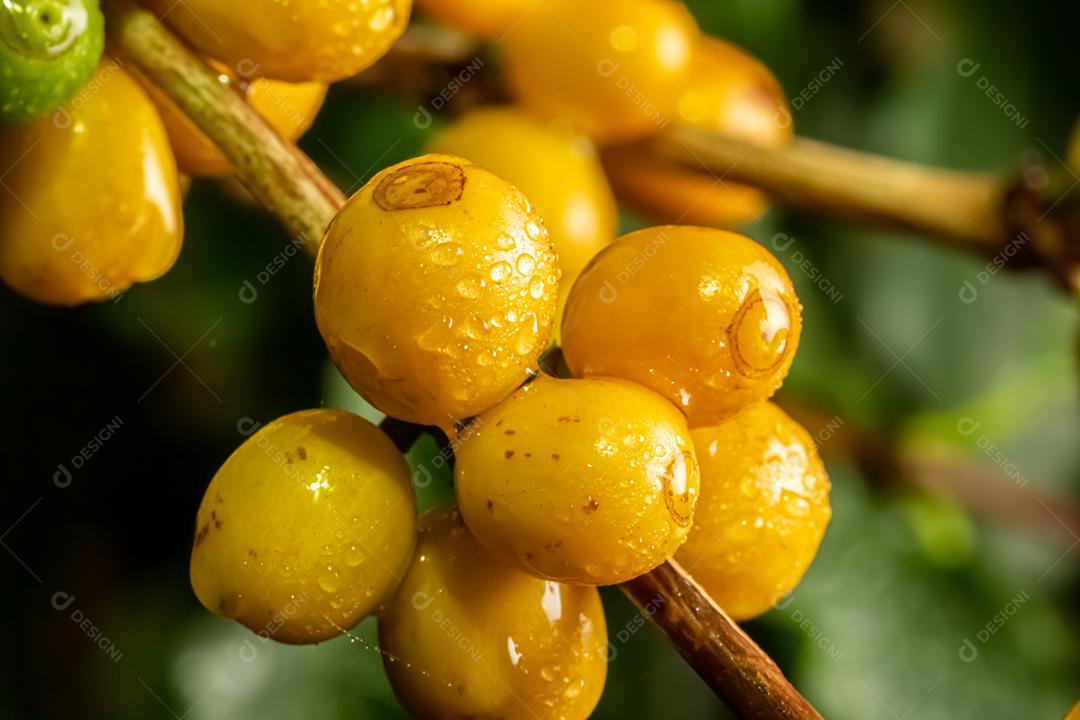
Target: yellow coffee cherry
558,171
306,528
586,481
484,18
707,318
435,290
469,636
764,508
1074,714
296,41
289,108
92,199
729,93
612,68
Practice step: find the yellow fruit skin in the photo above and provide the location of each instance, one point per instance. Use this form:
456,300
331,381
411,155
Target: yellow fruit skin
435,290
295,41
729,93
558,171
306,528
764,508
705,317
612,68
1074,714
289,108
484,18
584,481
469,636
92,203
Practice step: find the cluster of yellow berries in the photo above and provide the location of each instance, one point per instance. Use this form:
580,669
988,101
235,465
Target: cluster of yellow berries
437,290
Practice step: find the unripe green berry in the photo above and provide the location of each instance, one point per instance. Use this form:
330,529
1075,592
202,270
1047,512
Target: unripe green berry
48,50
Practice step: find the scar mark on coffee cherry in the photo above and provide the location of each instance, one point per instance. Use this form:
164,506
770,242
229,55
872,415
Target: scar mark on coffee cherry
422,185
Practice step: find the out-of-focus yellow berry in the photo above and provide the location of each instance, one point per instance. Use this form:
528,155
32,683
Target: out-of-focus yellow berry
612,68
435,290
707,318
295,41
1074,714
92,198
763,510
306,527
469,636
729,93
558,171
585,481
484,18
289,108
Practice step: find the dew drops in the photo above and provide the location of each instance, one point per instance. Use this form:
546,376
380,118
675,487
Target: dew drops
447,254
331,582
534,231
469,287
501,271
526,264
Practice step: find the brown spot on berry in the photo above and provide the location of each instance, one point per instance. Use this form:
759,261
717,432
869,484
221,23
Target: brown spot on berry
508,454
590,507
491,507
569,419
201,535
555,456
420,185
508,432
528,455
302,452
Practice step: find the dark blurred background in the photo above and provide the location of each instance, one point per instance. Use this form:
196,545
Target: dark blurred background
958,602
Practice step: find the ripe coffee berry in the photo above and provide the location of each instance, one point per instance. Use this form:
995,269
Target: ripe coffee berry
764,508
612,68
707,318
435,290
519,648
728,93
306,527
72,233
586,481
295,41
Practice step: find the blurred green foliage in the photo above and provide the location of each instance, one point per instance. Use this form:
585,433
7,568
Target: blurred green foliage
906,586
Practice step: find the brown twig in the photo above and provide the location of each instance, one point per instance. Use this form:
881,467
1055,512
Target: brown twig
961,208
294,190
281,177
725,657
